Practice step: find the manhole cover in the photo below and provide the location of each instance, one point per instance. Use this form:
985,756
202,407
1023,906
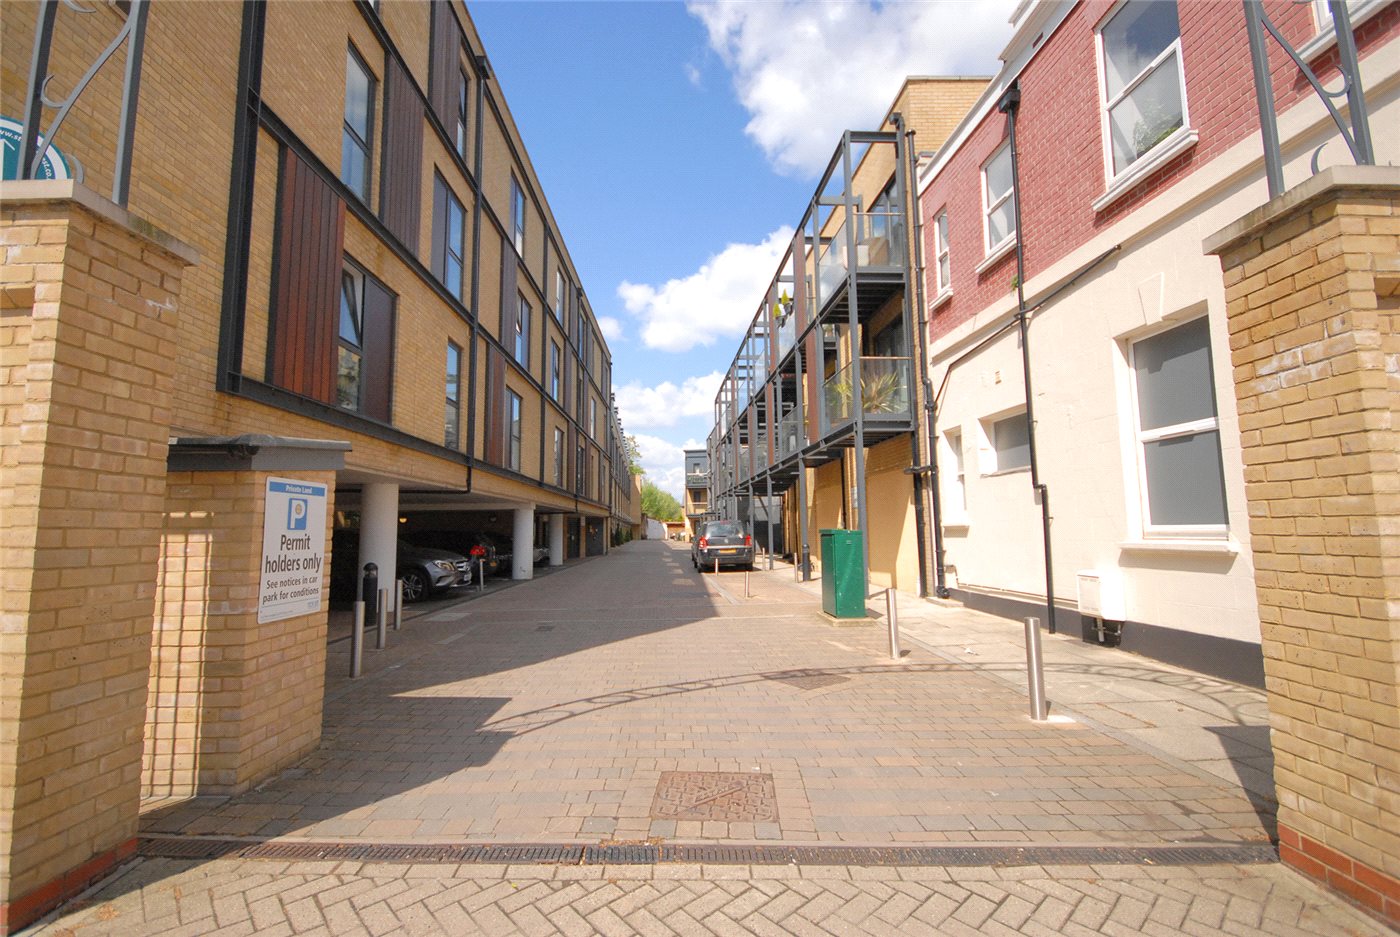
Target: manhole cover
813,681
714,795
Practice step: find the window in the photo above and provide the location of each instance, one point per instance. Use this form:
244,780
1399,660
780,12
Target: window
463,88
554,370
513,412
1178,439
449,229
521,346
517,215
578,471
558,457
592,418
359,118
940,251
1000,217
1010,440
451,436
559,288
1144,93
351,338
955,492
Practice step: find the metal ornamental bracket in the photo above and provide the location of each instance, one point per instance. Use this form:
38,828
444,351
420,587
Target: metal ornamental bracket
133,32
1357,137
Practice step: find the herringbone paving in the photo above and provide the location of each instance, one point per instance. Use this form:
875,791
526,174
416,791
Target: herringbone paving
549,712
229,898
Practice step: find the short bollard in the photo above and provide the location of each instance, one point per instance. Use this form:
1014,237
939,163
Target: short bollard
481,575
746,584
1035,670
892,613
369,594
398,604
357,640
381,618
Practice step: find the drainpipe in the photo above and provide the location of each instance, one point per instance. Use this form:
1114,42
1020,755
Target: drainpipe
940,576
913,271
1008,105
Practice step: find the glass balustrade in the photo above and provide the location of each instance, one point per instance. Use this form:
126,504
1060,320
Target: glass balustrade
787,334
884,389
880,239
791,435
831,264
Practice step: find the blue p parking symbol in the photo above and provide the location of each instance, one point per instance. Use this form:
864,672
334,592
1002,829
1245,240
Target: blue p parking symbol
296,514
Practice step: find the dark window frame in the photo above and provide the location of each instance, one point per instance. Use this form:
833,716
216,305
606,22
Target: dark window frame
351,135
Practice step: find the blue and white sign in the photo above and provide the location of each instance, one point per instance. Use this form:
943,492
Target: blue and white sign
294,549
53,166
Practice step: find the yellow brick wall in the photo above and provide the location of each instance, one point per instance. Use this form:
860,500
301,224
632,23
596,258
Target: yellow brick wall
1311,316
231,701
84,462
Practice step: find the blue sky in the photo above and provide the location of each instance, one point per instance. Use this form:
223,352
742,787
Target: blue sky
678,143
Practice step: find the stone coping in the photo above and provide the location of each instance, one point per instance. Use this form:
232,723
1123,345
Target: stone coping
14,193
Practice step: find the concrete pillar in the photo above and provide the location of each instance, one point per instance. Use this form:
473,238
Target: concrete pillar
87,348
379,531
1312,290
556,540
522,546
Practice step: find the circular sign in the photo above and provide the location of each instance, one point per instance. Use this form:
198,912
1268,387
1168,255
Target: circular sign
54,165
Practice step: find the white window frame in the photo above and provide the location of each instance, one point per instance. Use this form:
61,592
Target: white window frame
1005,244
1119,181
989,457
942,256
1152,531
955,476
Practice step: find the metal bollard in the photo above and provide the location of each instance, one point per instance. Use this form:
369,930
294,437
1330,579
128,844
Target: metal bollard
481,575
398,604
892,613
746,585
381,618
1035,670
716,566
369,593
357,640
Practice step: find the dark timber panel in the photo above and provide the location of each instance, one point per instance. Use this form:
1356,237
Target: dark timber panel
377,375
306,283
401,168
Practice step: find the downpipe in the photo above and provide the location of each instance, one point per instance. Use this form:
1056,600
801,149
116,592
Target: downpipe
1009,104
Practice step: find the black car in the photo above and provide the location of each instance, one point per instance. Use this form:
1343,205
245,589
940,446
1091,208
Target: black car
724,541
425,571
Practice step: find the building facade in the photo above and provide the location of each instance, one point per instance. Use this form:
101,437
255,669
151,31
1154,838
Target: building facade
331,267
1135,436
817,419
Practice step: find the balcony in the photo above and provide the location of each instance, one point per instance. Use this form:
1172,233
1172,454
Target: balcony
884,391
792,435
697,479
787,334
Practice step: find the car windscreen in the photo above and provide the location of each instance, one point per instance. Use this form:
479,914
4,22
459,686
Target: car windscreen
724,530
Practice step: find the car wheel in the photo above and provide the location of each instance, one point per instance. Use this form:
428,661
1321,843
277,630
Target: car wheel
415,586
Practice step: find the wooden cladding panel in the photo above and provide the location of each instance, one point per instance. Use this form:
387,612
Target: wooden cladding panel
400,195
306,283
495,406
768,404
510,293
445,40
377,360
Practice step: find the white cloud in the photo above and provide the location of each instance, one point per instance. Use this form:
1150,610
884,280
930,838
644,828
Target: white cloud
664,463
611,328
808,69
666,404
717,301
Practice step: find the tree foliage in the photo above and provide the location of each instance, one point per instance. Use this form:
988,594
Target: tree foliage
659,504
633,451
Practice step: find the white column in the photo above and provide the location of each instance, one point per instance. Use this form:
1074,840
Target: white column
379,532
523,544
556,540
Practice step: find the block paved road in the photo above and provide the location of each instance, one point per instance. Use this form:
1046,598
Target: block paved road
627,699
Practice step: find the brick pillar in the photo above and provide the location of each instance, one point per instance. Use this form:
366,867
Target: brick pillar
87,345
232,700
1312,284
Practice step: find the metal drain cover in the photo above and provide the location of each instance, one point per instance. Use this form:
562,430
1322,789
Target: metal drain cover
731,797
813,681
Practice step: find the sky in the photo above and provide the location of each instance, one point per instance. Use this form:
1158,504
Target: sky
679,143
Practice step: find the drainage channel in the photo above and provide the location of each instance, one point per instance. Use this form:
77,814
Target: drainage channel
188,847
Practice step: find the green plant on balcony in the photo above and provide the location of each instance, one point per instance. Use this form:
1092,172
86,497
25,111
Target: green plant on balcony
879,393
